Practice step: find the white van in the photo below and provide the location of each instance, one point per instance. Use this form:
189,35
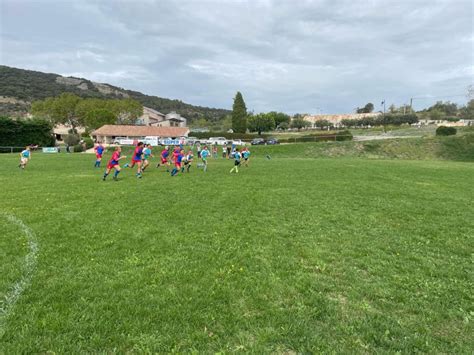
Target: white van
217,140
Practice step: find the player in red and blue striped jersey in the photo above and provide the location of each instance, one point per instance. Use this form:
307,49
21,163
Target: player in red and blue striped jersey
99,150
137,159
114,163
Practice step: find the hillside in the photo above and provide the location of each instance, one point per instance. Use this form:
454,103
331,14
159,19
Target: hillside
20,87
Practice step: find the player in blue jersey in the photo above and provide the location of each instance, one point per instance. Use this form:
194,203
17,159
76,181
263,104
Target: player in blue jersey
146,156
237,158
246,156
99,150
25,157
204,154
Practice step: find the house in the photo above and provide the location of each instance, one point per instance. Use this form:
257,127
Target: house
336,119
108,133
151,117
62,130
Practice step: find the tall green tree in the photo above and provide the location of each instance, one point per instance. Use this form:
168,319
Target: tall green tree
261,123
239,114
368,108
96,118
61,109
279,118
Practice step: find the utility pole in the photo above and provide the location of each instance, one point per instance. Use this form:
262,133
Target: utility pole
411,104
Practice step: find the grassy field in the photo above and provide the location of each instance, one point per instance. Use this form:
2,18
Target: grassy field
293,254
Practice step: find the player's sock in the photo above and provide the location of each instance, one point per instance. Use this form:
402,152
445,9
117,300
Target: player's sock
105,176
182,169
189,166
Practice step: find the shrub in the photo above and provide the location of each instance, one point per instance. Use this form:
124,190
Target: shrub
20,133
78,148
89,142
344,136
445,131
71,139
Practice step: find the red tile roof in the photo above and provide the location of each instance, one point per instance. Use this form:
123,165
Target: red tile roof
140,131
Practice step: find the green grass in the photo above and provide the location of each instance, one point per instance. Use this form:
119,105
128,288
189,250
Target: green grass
293,254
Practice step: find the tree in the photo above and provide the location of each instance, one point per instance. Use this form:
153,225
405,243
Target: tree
239,114
299,123
261,123
99,117
279,118
322,124
368,108
61,109
127,111
467,112
448,108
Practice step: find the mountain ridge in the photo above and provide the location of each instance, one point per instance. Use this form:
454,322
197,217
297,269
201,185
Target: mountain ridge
20,87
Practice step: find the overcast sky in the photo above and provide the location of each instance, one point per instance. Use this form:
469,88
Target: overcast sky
291,56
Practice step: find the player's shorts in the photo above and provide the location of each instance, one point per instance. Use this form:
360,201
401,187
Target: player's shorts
98,156
237,162
177,165
164,161
136,160
23,160
112,164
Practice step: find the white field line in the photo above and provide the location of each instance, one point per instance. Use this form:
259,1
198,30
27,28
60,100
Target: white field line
29,267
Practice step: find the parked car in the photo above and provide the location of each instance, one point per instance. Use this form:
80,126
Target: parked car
238,142
217,140
257,141
272,141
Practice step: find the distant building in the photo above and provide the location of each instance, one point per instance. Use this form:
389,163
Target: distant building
108,133
61,130
155,118
336,119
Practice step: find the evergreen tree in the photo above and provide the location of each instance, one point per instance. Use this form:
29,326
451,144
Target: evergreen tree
239,114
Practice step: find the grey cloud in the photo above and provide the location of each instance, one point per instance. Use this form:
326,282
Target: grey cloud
293,56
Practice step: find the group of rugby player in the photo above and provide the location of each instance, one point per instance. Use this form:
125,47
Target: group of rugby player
180,160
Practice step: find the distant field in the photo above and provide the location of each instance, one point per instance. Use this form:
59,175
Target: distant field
299,253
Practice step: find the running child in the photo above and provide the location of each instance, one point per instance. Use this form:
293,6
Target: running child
188,161
164,158
114,163
99,150
178,158
25,157
214,151
137,159
246,156
237,157
204,154
146,155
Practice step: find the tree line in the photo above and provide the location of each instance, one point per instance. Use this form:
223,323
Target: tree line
92,113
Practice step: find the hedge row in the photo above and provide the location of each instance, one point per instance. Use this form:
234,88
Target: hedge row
20,133
244,136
